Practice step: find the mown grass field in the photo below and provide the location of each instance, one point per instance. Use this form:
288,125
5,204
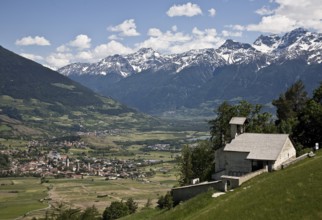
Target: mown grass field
293,193
19,196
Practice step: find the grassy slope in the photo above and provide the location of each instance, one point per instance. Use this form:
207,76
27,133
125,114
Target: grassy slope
293,193
19,196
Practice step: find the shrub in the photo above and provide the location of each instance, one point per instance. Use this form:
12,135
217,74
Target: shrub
115,210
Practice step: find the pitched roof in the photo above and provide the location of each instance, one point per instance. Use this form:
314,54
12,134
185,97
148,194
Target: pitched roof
259,146
237,120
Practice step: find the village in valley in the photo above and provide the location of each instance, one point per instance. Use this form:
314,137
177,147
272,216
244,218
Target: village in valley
72,159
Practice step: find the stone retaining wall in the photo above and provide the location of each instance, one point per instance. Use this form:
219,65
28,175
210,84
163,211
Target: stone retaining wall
186,192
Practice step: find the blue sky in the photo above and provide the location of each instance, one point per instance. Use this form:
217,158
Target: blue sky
58,32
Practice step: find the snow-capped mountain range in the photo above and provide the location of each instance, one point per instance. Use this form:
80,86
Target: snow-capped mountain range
297,44
258,72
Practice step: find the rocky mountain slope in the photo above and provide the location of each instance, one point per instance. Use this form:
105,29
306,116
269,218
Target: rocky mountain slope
158,83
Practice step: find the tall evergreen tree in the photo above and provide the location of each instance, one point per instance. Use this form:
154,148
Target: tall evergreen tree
289,105
308,130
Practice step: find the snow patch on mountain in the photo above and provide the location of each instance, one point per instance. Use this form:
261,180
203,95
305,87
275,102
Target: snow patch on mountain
266,44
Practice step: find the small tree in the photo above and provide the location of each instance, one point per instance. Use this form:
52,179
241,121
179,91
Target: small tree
185,166
202,161
165,202
168,201
115,210
160,202
132,205
90,213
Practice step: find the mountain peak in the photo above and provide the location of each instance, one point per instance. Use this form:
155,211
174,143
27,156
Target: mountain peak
299,31
291,37
233,45
145,58
145,50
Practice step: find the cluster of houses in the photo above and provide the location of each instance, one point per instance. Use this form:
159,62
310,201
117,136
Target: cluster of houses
103,132
159,147
35,161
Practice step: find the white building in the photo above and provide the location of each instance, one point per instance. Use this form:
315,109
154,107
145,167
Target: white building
248,152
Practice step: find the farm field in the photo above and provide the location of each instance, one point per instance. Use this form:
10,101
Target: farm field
20,195
27,198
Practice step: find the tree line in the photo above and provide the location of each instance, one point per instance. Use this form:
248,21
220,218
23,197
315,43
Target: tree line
115,210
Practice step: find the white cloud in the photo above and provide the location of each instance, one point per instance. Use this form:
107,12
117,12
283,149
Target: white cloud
57,60
60,59
200,39
174,28
111,48
81,42
288,15
85,55
196,31
32,56
127,28
212,12
188,9
154,32
226,33
264,11
237,27
114,37
170,41
273,24
62,49
163,41
177,42
26,41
